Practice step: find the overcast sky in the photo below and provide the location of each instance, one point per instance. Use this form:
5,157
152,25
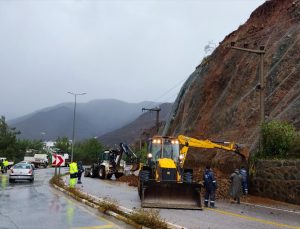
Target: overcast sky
127,50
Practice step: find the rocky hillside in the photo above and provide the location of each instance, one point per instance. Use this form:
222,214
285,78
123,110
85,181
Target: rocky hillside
220,100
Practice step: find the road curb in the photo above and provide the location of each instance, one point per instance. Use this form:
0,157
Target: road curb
95,206
108,212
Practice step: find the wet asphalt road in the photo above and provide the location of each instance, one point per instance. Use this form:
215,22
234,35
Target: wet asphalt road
27,205
225,216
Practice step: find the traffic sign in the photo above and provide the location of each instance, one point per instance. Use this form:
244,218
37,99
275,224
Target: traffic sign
58,160
54,159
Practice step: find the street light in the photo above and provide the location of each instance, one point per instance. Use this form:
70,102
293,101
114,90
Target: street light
74,118
261,86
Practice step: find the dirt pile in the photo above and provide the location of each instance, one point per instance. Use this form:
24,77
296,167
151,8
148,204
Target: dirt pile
130,180
220,100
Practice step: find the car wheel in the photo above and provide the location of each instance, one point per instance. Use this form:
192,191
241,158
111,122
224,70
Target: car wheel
11,181
31,180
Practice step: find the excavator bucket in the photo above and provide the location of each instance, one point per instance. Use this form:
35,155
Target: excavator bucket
171,195
134,167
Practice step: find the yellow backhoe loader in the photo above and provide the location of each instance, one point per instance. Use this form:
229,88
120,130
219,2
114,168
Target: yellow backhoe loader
163,180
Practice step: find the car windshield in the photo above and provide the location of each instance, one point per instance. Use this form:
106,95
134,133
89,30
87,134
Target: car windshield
22,166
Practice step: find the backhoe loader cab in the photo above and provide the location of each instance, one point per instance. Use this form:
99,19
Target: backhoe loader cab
163,147
163,183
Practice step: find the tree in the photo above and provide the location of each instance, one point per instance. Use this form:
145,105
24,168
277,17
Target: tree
8,139
63,144
87,151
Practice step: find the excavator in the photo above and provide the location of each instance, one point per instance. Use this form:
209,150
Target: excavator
111,162
164,182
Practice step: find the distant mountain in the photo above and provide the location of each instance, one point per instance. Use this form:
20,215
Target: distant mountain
132,131
94,118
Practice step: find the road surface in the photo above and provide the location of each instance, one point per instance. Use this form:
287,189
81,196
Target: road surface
37,205
225,216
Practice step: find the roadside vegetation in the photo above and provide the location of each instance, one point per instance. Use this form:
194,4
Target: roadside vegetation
138,218
12,148
280,140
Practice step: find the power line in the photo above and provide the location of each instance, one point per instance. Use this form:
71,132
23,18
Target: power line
165,93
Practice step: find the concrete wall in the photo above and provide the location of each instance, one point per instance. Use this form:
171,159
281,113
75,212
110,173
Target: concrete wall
277,179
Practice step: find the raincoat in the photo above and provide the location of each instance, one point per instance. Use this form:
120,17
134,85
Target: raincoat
236,185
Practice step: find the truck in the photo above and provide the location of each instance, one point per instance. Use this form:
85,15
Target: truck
111,162
37,159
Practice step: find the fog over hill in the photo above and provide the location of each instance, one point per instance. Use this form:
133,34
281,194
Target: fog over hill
132,131
94,118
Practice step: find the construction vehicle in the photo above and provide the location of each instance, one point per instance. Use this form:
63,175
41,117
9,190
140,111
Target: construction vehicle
164,182
112,162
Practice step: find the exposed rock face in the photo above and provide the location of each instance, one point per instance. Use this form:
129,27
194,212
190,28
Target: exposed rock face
220,100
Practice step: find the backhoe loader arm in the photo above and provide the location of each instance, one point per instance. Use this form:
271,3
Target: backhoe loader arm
187,142
133,159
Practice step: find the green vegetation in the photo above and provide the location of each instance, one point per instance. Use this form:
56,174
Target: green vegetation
87,151
279,140
142,154
13,148
63,144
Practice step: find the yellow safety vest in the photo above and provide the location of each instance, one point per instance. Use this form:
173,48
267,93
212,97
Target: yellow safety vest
73,168
5,163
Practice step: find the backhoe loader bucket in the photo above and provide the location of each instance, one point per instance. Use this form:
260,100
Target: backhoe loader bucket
135,167
171,195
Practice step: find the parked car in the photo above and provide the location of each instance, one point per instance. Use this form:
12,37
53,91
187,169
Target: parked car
21,171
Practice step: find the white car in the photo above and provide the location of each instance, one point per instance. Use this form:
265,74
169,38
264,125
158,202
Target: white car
21,171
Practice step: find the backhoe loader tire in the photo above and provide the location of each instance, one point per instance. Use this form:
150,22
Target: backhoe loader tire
86,173
143,176
109,176
92,172
187,177
118,175
102,174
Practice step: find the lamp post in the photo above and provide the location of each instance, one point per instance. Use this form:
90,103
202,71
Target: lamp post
74,122
261,86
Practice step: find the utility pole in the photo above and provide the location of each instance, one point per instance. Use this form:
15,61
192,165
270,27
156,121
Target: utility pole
261,86
157,110
74,122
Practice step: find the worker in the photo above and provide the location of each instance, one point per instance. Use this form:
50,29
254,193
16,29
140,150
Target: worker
236,186
5,165
80,171
73,174
244,174
210,185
